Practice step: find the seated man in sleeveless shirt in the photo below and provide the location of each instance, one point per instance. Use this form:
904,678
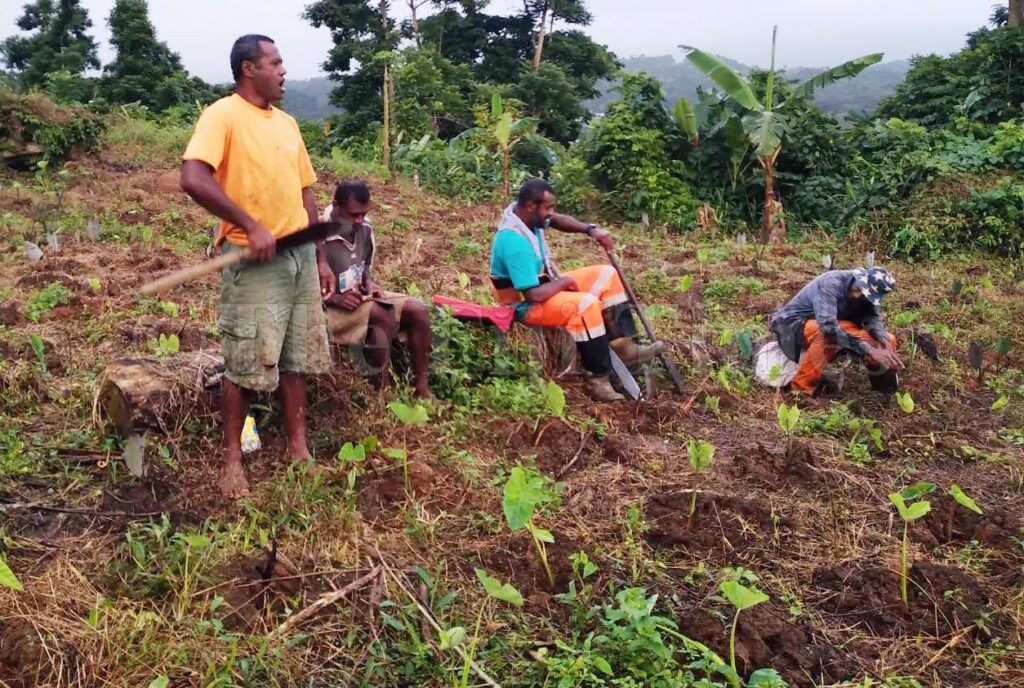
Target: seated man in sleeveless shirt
362,315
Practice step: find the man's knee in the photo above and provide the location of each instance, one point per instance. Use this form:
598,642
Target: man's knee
415,315
381,322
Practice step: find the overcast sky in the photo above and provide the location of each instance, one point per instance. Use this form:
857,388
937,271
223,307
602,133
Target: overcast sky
811,32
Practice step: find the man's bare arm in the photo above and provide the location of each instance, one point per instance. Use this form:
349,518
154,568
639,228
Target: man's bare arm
328,280
198,182
568,223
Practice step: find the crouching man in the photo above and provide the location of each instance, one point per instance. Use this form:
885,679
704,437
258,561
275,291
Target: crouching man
362,315
838,312
590,303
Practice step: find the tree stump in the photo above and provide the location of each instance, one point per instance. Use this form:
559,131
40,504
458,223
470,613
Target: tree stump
146,394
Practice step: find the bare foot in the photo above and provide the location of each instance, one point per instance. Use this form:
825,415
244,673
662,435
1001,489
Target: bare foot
233,484
421,390
298,450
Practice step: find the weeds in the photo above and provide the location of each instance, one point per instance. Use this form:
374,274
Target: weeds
46,299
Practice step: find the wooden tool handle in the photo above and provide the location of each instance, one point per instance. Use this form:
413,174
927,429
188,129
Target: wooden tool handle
188,274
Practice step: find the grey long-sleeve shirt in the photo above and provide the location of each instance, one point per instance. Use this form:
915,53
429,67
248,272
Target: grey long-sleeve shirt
825,298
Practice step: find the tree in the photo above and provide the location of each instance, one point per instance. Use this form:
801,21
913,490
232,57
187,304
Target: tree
546,12
414,6
363,34
431,95
980,82
548,95
765,124
145,70
1015,16
60,43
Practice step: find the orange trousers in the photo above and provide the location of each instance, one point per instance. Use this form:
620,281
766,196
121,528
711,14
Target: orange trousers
818,353
579,312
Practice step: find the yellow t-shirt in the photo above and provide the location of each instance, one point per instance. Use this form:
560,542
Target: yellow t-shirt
259,159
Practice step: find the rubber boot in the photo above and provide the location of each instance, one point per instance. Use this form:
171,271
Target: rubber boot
635,355
599,388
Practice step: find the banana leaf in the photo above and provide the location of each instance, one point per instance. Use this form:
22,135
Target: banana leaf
724,76
686,117
843,71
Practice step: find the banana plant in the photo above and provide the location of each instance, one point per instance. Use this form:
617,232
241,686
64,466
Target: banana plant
763,124
504,133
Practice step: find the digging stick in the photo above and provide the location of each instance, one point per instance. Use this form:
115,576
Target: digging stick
315,232
670,366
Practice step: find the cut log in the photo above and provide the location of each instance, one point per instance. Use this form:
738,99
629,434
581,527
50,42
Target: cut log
144,394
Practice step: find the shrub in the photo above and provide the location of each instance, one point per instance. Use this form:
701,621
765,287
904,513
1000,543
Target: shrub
32,127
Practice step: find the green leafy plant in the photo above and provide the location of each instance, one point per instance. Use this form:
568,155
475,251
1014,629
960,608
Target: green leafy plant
1002,348
961,498
7,577
685,283
741,598
46,299
353,456
905,401
408,416
1000,403
789,418
524,491
38,348
908,512
165,345
701,455
505,592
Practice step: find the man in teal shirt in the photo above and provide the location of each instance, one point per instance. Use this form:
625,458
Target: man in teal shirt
590,303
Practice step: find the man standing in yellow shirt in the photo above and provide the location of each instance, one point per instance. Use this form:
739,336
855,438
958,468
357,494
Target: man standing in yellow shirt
247,164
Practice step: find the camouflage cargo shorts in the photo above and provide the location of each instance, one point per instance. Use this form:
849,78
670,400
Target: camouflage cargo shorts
272,319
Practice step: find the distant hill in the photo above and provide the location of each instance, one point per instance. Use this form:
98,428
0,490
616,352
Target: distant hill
309,98
681,79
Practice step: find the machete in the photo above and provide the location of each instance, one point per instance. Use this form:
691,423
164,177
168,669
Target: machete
314,232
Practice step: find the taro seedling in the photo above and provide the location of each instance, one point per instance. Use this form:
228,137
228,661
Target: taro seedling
408,416
701,455
1000,403
961,498
976,357
1002,348
524,492
905,401
352,455
741,597
165,345
908,512
7,577
789,418
554,402
685,283
506,592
